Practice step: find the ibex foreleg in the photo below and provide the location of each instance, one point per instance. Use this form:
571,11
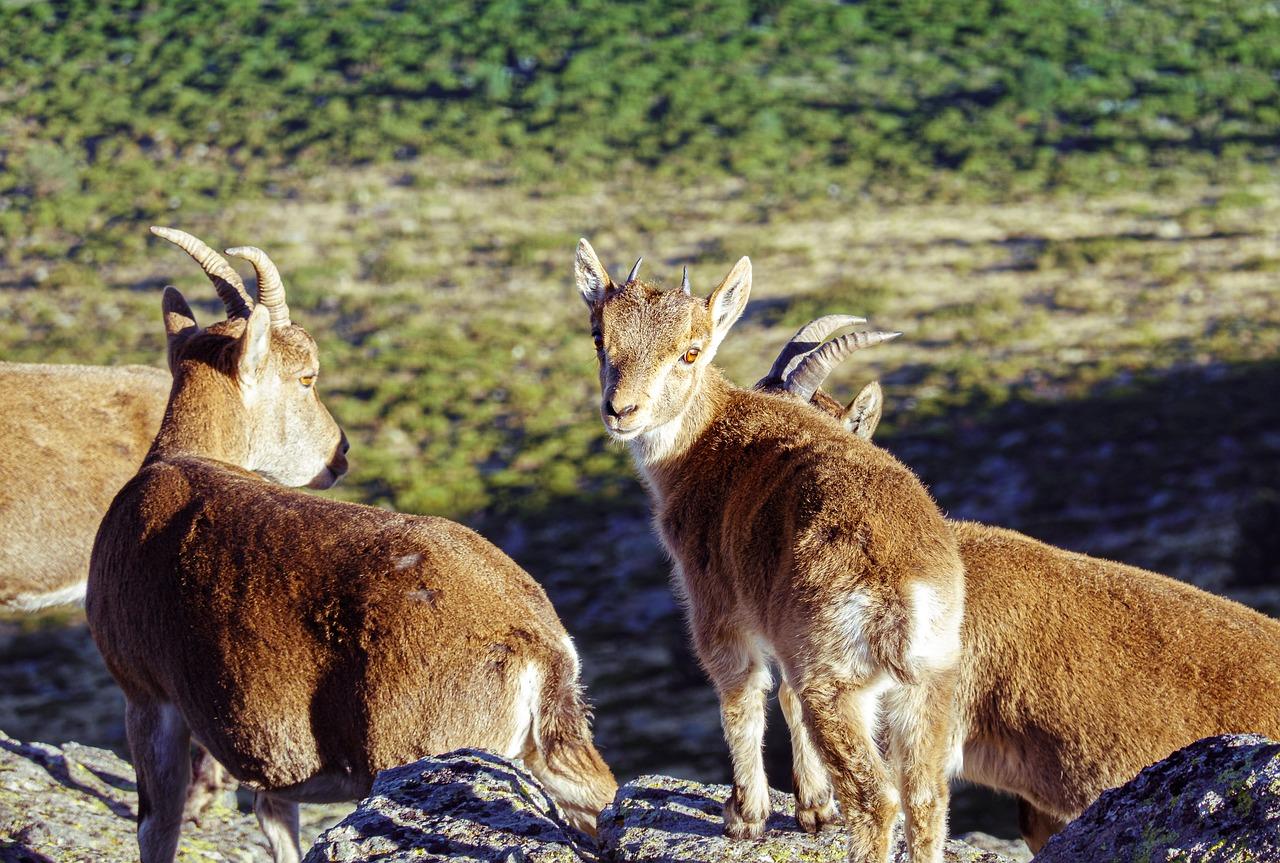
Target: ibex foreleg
742,680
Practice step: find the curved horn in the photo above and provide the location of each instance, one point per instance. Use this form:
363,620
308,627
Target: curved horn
225,279
814,367
684,283
270,285
635,270
806,339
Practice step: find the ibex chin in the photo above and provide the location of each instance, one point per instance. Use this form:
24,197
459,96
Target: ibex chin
1077,672
798,545
73,435
307,643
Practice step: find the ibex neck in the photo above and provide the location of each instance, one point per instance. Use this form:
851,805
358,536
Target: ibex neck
660,451
196,424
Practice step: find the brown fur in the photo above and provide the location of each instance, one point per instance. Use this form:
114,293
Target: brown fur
73,436
795,544
309,643
1079,672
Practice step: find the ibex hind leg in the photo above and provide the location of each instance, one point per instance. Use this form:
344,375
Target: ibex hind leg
815,801
278,819
922,744
559,751
840,716
158,741
1036,826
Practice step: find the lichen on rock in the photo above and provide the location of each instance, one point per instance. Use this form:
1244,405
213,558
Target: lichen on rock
1215,801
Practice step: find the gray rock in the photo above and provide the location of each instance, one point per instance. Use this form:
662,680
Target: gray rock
658,819
78,804
467,805
1215,801
1015,849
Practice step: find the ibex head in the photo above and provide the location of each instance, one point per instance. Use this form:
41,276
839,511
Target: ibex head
261,369
653,345
805,361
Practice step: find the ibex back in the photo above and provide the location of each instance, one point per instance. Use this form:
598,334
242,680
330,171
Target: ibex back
794,544
308,643
1078,672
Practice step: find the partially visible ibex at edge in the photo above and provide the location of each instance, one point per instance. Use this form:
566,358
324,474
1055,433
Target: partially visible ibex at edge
795,544
307,643
72,436
1077,672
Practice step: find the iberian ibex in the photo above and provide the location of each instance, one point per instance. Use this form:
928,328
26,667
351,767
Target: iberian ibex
1077,672
307,643
73,435
795,544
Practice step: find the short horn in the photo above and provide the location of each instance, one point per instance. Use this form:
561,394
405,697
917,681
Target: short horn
226,281
270,285
814,367
806,339
635,270
684,283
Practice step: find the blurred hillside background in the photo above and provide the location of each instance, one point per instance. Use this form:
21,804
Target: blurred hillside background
1070,208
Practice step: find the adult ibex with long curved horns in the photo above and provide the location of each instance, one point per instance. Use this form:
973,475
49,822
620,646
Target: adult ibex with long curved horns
307,643
1077,672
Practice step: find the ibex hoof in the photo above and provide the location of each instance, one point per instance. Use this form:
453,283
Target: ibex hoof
737,825
815,816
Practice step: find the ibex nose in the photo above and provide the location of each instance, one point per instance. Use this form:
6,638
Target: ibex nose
346,444
622,412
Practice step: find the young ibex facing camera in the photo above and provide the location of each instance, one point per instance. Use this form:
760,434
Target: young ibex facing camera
797,545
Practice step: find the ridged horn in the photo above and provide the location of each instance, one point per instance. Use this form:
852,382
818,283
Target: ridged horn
226,281
270,285
806,339
684,283
635,270
814,367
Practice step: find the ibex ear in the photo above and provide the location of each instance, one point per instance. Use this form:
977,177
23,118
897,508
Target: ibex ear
592,278
863,413
179,323
729,299
255,344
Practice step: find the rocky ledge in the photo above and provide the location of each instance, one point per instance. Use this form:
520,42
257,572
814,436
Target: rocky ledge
1217,800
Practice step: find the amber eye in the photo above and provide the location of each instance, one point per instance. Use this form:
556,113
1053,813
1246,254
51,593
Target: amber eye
307,380
691,355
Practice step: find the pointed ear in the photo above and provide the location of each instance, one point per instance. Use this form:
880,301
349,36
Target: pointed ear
592,278
255,344
179,323
729,299
863,413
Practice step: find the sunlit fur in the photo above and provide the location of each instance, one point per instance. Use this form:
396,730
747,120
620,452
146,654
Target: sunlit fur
1079,672
798,546
72,436
309,643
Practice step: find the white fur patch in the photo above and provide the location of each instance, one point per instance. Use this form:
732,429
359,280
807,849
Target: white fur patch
850,618
935,628
408,560
870,706
71,594
567,642
656,444
524,710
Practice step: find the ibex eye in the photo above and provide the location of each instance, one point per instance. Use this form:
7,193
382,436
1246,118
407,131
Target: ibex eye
599,340
691,355
307,380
